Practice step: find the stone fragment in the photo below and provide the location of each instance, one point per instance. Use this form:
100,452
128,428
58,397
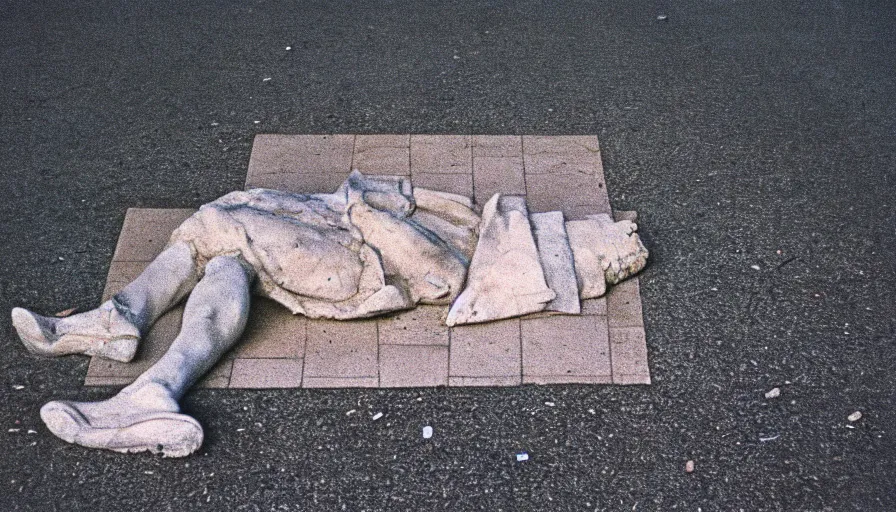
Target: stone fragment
556,261
773,393
505,277
605,252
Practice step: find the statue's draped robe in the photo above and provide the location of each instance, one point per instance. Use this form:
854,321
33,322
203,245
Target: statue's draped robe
375,245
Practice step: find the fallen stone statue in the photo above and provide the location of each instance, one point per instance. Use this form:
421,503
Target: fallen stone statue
374,246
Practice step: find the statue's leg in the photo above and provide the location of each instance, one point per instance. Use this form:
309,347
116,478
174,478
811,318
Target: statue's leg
114,329
145,415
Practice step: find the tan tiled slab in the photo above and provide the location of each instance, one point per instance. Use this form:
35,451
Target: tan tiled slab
382,154
272,332
512,380
341,349
411,348
486,350
441,154
340,382
410,366
298,183
494,174
624,304
420,326
628,347
565,348
266,373
146,232
497,146
455,183
301,154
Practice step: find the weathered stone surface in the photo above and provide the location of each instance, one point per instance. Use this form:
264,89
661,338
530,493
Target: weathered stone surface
486,350
605,252
556,261
505,277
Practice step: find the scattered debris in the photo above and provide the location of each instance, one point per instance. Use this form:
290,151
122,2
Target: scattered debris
689,466
767,439
18,387
13,430
427,432
779,252
774,393
662,17
522,456
550,404
240,430
349,413
215,123
65,313
148,472
265,79
377,416
456,57
256,122
592,411
288,48
32,431
856,416
755,267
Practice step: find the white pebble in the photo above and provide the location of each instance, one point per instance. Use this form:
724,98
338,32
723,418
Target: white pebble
427,432
18,387
349,413
377,416
856,416
754,267
550,404
288,48
774,393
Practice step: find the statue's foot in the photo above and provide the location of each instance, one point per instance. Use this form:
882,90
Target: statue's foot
102,332
146,419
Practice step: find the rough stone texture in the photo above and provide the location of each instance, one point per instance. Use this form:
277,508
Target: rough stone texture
561,348
382,154
505,278
477,355
497,175
557,261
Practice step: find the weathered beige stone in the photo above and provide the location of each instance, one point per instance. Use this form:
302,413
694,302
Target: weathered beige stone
605,252
556,261
505,277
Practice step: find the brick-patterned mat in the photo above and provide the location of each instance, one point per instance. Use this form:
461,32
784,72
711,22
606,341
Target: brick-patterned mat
604,345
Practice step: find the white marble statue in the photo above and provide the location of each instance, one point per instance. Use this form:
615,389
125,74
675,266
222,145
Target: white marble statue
375,245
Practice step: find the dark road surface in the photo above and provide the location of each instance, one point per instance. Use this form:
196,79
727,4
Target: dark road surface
736,129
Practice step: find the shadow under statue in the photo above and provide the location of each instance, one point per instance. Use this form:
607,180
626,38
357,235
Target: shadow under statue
374,246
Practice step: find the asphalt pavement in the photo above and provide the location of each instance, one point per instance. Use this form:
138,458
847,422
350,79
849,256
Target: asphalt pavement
757,141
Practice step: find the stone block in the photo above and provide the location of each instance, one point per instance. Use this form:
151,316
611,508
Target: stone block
510,380
566,193
497,146
492,175
486,350
461,184
341,349
408,366
300,154
565,346
596,306
266,373
271,333
624,304
299,183
340,382
382,154
628,346
563,144
146,231
441,154
420,326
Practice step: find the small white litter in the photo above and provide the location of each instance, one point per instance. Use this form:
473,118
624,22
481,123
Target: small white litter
522,456
17,388
550,404
427,432
349,413
856,416
774,393
377,416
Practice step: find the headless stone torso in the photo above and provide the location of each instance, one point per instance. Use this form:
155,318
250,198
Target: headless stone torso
373,246
378,245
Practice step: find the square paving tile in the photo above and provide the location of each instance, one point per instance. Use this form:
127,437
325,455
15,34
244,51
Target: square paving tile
605,344
410,366
566,349
486,350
